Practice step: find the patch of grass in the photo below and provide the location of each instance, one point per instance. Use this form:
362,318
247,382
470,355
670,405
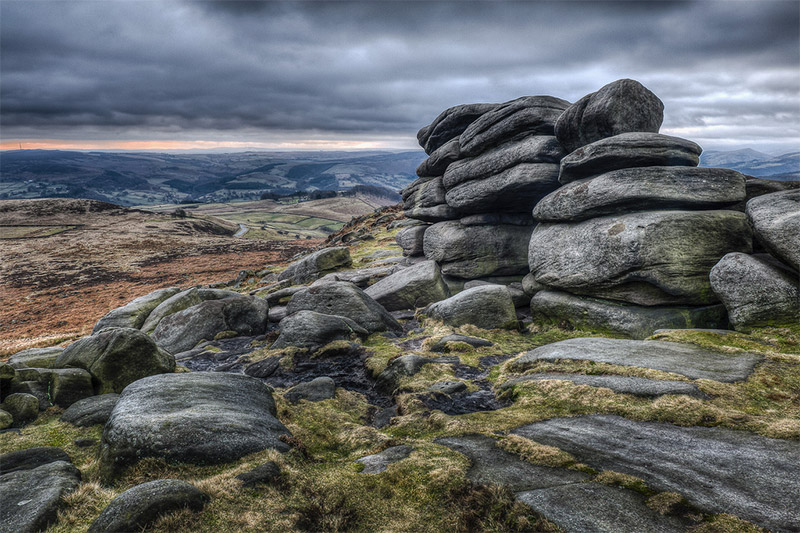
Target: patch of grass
726,523
624,481
536,453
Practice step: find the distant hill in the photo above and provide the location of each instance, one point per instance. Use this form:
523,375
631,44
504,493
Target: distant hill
754,163
153,178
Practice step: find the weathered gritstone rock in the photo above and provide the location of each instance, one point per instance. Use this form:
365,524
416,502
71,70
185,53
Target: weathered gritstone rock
316,265
470,252
183,300
717,470
441,344
635,321
424,192
344,299
198,417
36,357
316,390
628,150
528,115
377,463
757,291
181,331
31,498
140,506
646,258
440,159
53,386
31,458
684,359
581,507
531,149
362,277
312,330
90,411
411,240
637,189
450,124
515,189
116,357
438,213
412,287
134,314
487,307
776,224
622,106
22,407
622,385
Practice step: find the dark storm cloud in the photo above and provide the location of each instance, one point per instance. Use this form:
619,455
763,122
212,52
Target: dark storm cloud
201,69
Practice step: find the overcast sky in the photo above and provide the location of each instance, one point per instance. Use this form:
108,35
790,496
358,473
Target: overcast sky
190,74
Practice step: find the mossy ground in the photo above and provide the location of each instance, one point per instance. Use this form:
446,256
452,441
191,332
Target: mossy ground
321,487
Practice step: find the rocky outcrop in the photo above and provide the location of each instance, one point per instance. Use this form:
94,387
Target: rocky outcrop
36,357
412,287
776,224
198,417
487,307
116,357
134,314
183,300
316,265
312,330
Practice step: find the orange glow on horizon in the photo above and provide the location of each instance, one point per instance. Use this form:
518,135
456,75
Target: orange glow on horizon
303,144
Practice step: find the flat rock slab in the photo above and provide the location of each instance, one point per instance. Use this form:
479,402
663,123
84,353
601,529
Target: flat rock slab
31,458
718,470
582,507
490,464
624,385
684,359
377,463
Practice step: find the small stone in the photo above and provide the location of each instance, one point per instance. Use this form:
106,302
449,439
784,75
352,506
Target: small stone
316,390
377,463
263,474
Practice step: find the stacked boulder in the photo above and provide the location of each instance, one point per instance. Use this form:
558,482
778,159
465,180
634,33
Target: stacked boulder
488,165
628,241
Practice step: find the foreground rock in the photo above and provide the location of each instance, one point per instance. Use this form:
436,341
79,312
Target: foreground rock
776,224
22,407
90,411
630,257
344,299
316,390
638,322
684,359
412,287
628,150
133,314
622,106
242,315
183,300
487,307
140,506
31,498
450,124
636,189
316,265
717,470
312,330
199,417
116,357
756,291
36,357
31,458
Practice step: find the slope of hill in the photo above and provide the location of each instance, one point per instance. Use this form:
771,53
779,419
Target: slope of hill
753,163
151,178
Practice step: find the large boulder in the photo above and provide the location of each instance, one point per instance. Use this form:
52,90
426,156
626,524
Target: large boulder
36,357
528,115
22,407
412,287
756,291
637,322
436,213
427,193
450,124
628,150
531,149
197,417
140,506
486,306
134,313
622,106
312,330
90,411
646,258
479,251
411,239
515,189
181,331
344,299
116,357
31,498
180,301
776,224
54,386
317,264
643,188
439,160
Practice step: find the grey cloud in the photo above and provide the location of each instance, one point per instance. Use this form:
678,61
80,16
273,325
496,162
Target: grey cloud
377,68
